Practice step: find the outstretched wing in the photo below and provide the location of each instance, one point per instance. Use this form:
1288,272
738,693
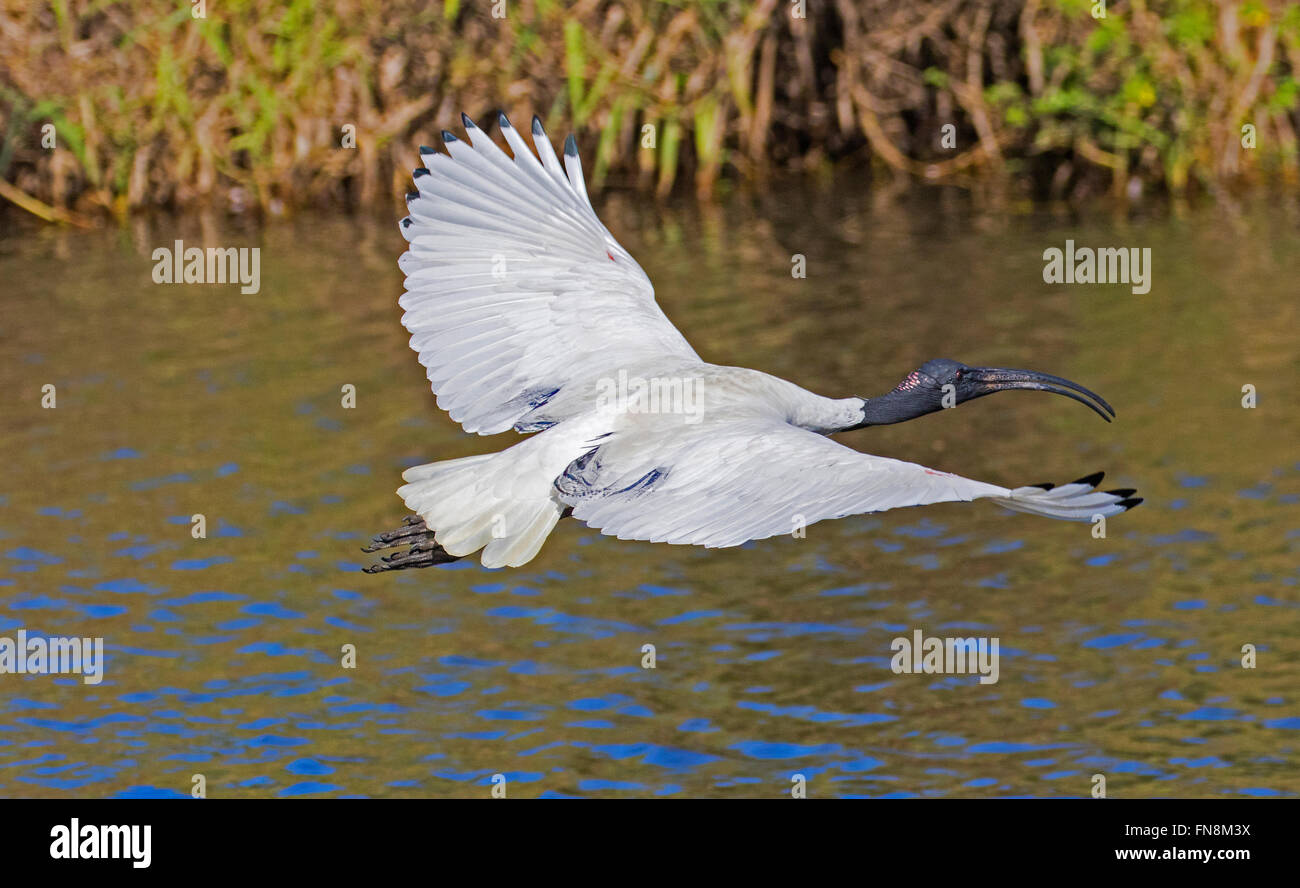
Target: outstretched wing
721,485
514,289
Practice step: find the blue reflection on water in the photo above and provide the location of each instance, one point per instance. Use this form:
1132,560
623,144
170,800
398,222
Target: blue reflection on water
183,621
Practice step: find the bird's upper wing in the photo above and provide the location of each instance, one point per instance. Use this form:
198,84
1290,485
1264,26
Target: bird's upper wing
514,289
715,484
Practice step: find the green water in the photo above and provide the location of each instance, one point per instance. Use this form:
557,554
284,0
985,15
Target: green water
1119,656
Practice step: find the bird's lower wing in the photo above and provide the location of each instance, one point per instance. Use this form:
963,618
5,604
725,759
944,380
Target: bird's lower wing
515,290
722,485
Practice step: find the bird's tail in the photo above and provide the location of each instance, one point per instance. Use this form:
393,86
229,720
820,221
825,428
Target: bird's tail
1077,501
497,502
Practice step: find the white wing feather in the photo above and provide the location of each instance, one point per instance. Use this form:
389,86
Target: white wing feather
514,288
720,485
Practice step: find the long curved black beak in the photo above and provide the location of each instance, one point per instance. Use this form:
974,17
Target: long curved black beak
996,379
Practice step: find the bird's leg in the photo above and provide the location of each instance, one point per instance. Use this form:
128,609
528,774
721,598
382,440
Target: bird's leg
424,551
412,527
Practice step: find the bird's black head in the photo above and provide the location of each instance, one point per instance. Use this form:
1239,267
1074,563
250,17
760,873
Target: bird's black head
942,383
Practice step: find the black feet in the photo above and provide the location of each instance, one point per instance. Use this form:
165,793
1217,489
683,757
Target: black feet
412,530
423,550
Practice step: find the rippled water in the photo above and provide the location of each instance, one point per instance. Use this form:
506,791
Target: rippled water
1120,656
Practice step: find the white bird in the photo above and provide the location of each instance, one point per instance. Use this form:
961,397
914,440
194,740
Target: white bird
530,316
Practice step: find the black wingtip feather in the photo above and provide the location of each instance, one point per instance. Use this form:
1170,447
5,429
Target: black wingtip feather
425,149
1046,485
503,121
469,124
1091,480
537,126
420,171
1130,503
415,195
448,137
1123,492
571,146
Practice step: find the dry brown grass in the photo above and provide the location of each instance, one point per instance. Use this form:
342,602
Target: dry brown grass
246,108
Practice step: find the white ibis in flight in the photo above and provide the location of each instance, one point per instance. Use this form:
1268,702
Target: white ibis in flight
530,317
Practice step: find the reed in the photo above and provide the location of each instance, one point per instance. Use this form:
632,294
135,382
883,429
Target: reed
275,105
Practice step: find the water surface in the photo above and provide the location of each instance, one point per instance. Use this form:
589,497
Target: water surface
1119,656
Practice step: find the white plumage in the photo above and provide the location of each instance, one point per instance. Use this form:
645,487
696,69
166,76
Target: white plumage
526,312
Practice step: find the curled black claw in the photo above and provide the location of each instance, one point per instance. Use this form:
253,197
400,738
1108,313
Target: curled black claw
411,530
422,549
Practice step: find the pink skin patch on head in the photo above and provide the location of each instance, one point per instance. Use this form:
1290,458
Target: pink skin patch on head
911,382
